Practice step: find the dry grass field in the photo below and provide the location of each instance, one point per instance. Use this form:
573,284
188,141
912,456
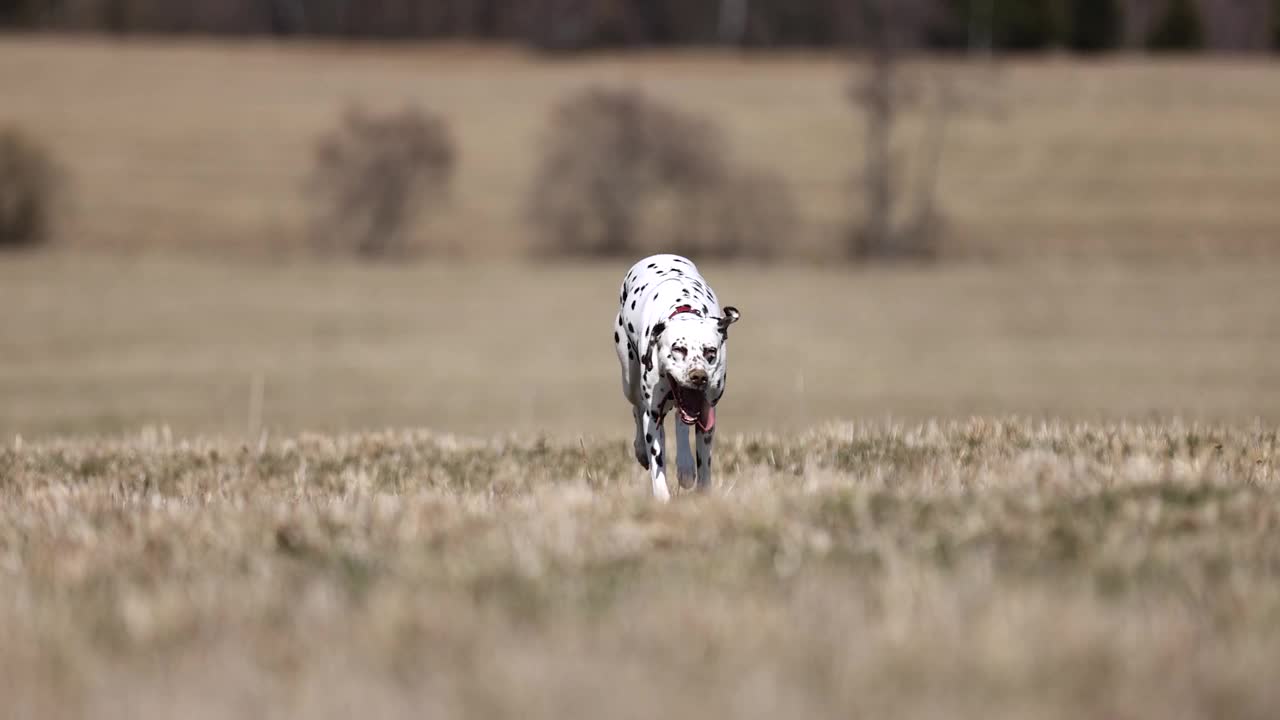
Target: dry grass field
982,569
100,344
252,484
918,568
207,144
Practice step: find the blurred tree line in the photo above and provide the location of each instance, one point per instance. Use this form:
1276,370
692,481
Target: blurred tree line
1072,25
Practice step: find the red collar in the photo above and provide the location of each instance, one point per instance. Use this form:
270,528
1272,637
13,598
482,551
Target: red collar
684,309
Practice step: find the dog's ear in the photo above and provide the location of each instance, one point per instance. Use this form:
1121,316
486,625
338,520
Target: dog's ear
731,316
651,345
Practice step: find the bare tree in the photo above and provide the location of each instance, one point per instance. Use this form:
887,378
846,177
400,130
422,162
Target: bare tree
879,105
890,27
902,218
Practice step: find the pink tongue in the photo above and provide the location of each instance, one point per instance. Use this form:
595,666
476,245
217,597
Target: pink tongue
708,419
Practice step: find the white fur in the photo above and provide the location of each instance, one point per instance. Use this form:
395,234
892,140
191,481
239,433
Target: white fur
657,349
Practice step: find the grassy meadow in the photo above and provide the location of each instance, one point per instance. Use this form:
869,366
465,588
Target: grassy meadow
1039,479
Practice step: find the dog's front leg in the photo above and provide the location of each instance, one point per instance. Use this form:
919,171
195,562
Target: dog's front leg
641,447
653,438
704,441
684,457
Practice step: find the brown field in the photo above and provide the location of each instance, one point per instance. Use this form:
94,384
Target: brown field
103,344
971,569
984,569
207,144
275,487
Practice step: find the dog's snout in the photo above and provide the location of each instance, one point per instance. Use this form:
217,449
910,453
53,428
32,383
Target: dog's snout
698,377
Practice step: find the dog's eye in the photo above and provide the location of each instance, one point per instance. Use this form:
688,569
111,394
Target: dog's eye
678,352
709,354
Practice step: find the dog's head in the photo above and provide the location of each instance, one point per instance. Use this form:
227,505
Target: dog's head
690,351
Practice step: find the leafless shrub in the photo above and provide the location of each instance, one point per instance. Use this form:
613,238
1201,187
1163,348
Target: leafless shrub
624,172
30,187
375,176
612,156
749,214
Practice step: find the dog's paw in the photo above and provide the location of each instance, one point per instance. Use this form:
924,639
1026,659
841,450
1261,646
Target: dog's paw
660,492
686,477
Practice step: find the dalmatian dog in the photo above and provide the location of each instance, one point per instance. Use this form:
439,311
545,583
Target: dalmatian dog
670,335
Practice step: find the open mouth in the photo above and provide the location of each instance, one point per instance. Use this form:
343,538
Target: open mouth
693,407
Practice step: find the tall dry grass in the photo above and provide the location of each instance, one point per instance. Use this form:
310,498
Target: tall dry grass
985,568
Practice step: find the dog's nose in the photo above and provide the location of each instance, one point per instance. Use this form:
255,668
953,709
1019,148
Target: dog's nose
698,377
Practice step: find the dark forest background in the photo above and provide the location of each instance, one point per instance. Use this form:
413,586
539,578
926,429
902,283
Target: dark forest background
1068,25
